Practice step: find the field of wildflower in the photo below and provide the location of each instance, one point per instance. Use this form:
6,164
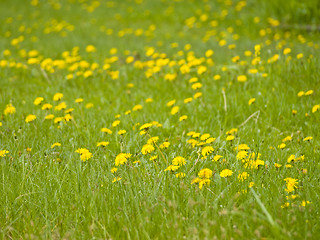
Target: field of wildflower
159,119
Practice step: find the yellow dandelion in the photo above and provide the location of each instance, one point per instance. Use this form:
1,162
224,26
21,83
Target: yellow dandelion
174,110
179,161
242,78
38,101
102,144
57,97
226,173
252,100
122,132
55,145
30,118
10,109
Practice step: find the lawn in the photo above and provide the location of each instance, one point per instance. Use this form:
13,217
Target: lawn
141,119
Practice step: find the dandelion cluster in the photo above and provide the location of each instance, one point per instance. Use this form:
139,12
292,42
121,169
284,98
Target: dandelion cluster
133,118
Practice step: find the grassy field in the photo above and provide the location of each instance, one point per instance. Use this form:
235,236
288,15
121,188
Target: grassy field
142,119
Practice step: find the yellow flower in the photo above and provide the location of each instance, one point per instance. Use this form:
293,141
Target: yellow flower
90,49
204,136
106,130
56,145
102,144
0,124
78,100
196,135
84,154
122,158
30,118
216,77
114,170
115,123
137,108
187,100
230,138
69,110
282,146
197,95
179,161
121,132
89,105
251,184
226,173
193,80
216,158
46,106
195,180
180,175
182,118
87,73
174,110
286,51
300,55
164,145
57,97
170,77
232,131
58,119
209,53
171,103
252,100
116,179
242,78
307,139
205,173
243,176
210,140
301,93
60,106
206,151
315,108
154,157
204,182
277,165
291,158
3,153
10,109
304,203
287,138
38,101
146,126
291,184
172,168
49,117
201,69
67,117
153,140
242,155
129,59
310,92
196,86
147,148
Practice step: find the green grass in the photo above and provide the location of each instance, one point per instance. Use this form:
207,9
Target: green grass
43,197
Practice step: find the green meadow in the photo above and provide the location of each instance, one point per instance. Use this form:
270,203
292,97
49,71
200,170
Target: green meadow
140,119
